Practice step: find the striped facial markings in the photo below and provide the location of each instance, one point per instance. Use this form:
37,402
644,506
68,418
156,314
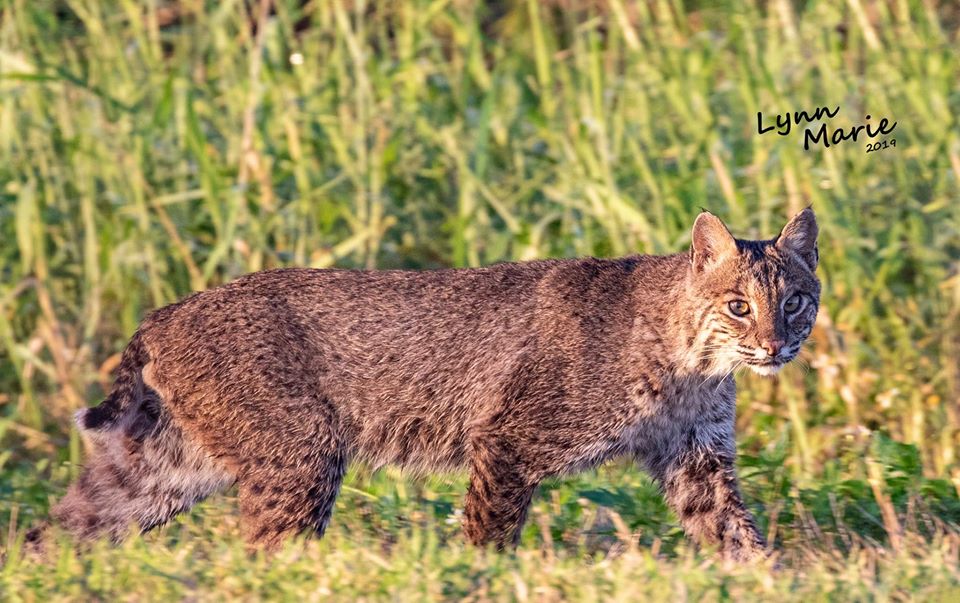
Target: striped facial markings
770,333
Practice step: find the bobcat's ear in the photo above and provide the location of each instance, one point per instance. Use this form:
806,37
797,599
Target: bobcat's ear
711,242
800,237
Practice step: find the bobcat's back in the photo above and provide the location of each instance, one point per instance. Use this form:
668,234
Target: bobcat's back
406,360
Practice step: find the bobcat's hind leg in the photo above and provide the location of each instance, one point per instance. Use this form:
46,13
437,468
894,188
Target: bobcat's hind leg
143,473
291,486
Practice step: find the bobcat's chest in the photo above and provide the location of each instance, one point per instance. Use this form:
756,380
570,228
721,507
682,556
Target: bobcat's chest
676,408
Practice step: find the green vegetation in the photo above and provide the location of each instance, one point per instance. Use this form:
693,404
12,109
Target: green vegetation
148,149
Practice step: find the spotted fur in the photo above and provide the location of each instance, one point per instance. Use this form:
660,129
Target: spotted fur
519,371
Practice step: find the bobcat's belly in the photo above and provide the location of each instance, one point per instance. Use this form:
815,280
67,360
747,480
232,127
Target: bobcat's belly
421,439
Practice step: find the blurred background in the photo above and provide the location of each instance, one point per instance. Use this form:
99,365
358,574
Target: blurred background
150,148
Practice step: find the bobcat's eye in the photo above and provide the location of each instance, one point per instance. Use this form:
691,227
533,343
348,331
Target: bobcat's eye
792,304
739,307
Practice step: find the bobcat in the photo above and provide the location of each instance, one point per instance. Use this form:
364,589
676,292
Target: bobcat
520,371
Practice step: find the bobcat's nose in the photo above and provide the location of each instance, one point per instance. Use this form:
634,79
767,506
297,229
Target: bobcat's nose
772,346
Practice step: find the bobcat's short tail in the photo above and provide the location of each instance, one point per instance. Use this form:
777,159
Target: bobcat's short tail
126,393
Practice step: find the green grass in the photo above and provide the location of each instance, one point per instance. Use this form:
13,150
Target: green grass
141,159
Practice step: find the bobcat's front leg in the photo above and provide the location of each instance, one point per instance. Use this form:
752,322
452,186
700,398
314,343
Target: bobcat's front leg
701,486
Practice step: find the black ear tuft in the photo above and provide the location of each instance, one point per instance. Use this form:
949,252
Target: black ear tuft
96,417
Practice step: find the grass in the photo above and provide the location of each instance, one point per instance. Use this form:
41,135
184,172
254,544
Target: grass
146,153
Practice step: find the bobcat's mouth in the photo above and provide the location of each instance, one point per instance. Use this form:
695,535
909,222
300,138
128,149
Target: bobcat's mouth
766,367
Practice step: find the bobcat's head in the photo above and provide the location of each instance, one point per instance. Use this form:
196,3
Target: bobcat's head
756,301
